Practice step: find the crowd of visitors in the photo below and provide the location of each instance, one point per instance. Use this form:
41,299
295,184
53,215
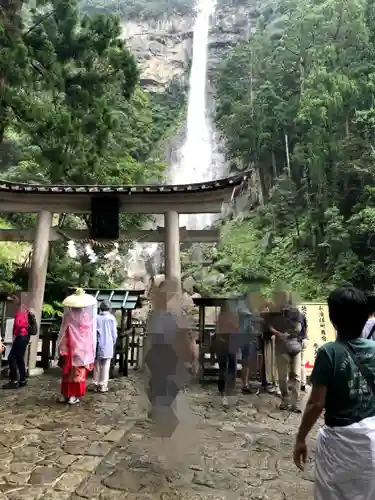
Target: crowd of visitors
278,330
86,342
342,380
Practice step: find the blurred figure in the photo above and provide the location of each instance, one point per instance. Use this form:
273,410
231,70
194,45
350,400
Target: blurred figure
226,348
343,386
21,338
246,328
171,345
105,347
251,325
304,343
286,324
77,344
270,378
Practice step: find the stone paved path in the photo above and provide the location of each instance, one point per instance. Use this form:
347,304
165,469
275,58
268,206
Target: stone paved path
105,450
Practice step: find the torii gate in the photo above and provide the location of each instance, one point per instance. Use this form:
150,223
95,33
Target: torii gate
170,200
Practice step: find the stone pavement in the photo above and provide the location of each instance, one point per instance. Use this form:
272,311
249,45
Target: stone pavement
105,450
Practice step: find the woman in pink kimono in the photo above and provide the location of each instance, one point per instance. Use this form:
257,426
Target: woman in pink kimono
77,344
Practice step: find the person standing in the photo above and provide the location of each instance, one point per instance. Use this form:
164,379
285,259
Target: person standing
105,347
226,344
246,341
269,376
171,346
21,338
76,344
343,384
304,343
286,326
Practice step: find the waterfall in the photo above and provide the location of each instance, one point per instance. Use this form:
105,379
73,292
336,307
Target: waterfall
198,160
195,159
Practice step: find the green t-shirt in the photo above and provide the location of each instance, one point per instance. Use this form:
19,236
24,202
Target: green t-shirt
349,397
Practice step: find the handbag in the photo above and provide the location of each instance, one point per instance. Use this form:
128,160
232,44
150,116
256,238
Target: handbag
292,345
365,372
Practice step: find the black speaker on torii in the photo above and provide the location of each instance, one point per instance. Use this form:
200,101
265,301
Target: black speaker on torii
105,218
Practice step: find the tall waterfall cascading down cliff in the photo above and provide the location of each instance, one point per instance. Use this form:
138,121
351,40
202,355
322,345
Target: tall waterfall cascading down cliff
195,163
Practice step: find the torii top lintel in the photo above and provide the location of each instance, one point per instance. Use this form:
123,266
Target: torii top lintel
204,197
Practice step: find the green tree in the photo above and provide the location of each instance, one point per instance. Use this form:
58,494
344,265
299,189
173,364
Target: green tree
300,113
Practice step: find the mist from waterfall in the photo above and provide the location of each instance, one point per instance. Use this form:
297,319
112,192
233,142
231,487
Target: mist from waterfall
195,160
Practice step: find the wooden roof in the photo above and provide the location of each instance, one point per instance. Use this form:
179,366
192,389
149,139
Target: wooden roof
204,197
16,187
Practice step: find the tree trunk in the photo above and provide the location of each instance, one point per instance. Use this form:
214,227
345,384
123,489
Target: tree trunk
274,165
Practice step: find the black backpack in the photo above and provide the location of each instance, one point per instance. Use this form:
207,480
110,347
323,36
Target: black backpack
32,329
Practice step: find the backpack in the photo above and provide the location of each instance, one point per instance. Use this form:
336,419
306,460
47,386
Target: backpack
32,329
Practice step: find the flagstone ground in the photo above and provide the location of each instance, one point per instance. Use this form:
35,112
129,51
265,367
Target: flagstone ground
104,449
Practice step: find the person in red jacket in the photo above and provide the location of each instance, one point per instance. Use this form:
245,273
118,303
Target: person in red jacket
16,358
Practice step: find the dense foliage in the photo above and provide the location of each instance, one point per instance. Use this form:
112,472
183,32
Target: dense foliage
72,111
296,105
140,10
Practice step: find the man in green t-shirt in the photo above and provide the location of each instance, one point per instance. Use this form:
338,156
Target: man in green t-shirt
343,384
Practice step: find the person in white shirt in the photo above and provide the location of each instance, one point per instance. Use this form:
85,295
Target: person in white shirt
107,337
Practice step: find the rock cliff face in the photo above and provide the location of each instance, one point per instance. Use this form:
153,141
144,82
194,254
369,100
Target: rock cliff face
164,46
231,24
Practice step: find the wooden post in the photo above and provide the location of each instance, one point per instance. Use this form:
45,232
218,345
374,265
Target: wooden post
202,320
37,279
128,319
172,246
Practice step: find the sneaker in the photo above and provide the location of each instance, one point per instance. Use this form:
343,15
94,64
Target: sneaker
22,383
284,407
271,388
247,390
11,385
225,402
102,389
73,400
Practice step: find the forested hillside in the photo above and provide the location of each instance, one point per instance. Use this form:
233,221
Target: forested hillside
296,104
140,10
72,111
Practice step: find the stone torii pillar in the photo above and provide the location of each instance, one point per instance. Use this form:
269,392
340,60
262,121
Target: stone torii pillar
172,246
37,278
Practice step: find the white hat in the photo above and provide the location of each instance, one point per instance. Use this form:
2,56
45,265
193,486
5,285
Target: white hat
79,299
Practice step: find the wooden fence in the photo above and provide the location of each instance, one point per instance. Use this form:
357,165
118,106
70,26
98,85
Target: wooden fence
127,354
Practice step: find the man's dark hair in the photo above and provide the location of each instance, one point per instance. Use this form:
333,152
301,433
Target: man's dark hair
348,311
105,306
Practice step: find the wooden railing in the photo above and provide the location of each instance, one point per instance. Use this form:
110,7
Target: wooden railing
127,352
